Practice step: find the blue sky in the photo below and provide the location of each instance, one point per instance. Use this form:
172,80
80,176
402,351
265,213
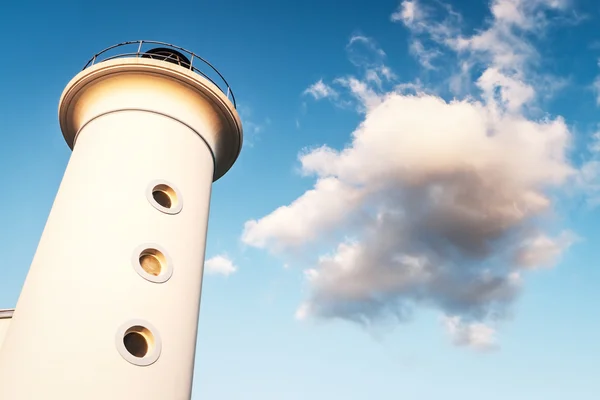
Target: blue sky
441,245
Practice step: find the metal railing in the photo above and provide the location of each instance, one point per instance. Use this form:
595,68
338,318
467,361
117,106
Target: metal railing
137,45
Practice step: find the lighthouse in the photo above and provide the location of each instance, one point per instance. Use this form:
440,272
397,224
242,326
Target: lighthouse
109,308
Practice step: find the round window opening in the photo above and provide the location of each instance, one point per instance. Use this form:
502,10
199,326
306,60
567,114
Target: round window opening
138,343
152,261
164,197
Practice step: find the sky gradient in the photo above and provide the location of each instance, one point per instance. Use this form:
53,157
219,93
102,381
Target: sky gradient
412,214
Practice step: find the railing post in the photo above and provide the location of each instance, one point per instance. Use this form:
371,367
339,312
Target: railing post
140,48
192,62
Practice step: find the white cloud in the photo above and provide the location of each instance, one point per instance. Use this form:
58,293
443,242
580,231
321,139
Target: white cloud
320,90
406,13
505,41
514,93
425,55
366,94
588,177
301,312
220,265
421,20
596,87
588,180
365,53
442,209
444,200
252,127
503,46
321,208
474,335
543,251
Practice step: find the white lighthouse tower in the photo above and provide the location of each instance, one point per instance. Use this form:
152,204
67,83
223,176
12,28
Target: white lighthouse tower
109,309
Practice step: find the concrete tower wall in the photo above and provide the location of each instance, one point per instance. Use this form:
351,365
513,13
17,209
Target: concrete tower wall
5,318
132,130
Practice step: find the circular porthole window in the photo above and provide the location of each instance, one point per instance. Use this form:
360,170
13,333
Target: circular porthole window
138,342
164,197
152,263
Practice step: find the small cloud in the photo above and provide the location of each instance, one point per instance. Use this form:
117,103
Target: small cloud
366,41
220,265
319,90
366,54
587,181
542,250
408,13
302,312
477,336
424,55
252,128
596,88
